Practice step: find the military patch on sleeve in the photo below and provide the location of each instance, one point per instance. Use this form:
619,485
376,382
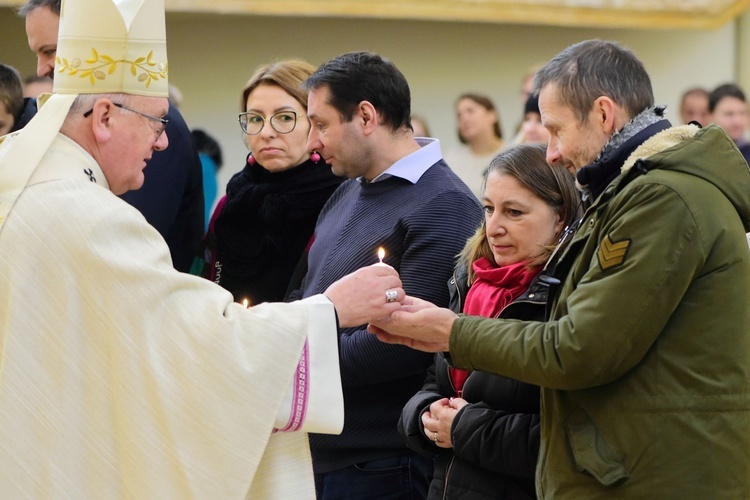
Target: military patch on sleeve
612,254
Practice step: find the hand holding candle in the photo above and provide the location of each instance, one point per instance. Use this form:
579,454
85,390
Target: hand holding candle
367,294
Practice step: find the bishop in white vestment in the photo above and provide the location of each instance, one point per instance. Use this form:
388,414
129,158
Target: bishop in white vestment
119,376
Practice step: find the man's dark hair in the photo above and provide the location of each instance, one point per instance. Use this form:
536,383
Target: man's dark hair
11,91
588,70
722,91
207,145
365,76
32,5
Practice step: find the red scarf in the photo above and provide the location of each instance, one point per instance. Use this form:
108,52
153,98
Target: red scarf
492,290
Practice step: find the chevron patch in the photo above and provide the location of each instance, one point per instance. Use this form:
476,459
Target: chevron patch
612,254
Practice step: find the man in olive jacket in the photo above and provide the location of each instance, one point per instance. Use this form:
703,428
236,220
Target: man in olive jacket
644,363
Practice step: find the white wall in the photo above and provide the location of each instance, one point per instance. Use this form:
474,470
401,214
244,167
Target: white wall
212,56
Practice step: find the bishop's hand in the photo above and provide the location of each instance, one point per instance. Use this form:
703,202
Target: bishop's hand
366,295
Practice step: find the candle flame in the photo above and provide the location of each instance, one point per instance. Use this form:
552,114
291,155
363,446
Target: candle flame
381,254
245,303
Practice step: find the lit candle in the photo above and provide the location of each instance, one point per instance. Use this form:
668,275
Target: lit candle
245,303
381,254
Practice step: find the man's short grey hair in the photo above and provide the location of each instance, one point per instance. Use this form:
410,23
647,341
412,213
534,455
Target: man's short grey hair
588,70
32,5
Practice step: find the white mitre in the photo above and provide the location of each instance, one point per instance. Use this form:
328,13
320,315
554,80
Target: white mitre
112,46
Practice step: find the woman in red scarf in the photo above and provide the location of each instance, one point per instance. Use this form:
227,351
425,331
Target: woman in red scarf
484,429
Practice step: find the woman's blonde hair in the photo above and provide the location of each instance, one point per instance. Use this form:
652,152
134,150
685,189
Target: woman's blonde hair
552,184
288,75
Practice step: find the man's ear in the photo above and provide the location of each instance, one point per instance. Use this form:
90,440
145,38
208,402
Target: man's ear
368,116
102,119
605,110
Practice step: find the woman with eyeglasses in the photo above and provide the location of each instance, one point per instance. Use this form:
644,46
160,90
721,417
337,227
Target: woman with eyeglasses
261,228
483,429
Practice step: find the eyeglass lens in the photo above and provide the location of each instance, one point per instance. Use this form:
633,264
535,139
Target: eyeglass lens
282,122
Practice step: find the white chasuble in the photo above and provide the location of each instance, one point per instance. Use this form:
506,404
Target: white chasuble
122,378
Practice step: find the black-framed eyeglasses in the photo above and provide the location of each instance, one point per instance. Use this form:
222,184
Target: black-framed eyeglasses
282,122
158,130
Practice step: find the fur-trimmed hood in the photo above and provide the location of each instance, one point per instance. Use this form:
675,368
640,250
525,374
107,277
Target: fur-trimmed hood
708,153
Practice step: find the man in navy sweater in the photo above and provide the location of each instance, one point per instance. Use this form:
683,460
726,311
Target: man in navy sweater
400,196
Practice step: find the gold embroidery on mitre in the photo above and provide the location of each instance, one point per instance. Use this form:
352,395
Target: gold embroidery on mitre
612,254
102,62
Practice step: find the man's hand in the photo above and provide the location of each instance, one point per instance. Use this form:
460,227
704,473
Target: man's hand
418,324
360,297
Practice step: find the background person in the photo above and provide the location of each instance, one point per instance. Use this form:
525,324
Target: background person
527,81
481,137
34,86
11,99
728,108
532,130
484,428
209,152
419,125
694,106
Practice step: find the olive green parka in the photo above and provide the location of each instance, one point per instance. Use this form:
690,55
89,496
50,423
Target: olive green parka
645,362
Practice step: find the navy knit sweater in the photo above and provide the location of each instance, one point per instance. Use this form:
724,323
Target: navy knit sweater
422,227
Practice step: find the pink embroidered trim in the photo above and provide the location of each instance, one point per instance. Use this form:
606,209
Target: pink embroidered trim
301,393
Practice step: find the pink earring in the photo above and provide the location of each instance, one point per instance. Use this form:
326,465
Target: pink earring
250,159
315,157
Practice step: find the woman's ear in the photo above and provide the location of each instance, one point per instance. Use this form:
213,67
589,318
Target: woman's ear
559,225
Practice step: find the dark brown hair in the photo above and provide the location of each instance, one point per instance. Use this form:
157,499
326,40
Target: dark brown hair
487,104
551,183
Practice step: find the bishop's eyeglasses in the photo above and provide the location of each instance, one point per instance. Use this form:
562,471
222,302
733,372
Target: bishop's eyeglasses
282,122
158,129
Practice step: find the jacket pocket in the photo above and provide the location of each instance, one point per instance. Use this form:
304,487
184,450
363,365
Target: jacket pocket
591,452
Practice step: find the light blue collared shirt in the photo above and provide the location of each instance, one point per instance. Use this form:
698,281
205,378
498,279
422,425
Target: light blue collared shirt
412,166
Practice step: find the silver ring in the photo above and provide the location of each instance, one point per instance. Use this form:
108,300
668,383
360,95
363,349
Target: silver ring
391,295
434,436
